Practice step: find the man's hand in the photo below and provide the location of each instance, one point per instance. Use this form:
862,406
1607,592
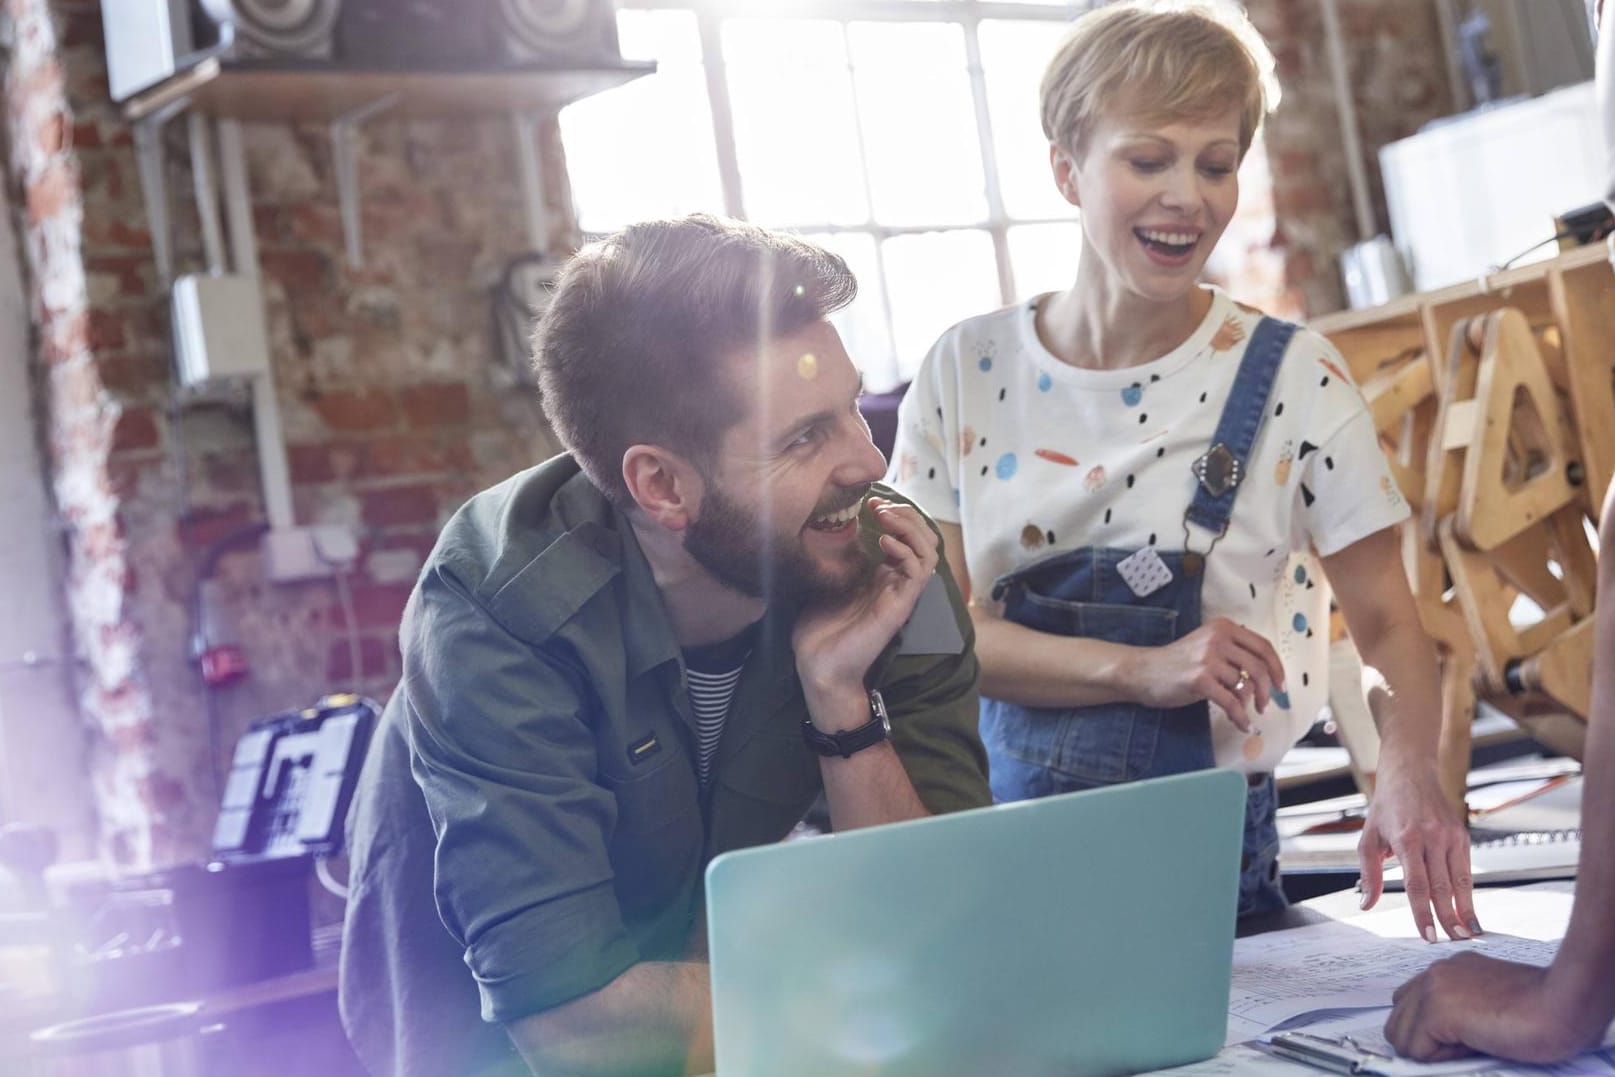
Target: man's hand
836,645
1472,1003
1220,661
1409,818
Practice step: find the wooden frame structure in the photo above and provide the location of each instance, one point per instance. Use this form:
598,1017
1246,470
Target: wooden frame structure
1495,404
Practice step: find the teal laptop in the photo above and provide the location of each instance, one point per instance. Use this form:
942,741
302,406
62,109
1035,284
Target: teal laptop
1089,933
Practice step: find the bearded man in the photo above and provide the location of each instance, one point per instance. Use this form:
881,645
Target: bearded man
660,646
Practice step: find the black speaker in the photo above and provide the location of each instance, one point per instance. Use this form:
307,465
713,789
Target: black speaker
303,29
413,33
472,34
559,32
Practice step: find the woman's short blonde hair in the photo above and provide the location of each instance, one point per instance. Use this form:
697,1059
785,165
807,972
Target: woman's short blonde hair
1159,59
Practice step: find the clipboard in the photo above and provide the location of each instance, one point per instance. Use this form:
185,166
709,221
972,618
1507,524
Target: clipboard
1343,1054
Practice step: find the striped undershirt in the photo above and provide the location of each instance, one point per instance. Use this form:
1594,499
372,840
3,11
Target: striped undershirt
711,674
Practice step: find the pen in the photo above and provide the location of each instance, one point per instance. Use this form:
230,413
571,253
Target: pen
1338,1056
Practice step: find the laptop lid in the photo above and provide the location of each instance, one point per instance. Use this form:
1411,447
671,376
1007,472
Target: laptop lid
1089,933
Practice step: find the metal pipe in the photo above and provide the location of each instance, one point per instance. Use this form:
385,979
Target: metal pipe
273,469
1447,20
1356,173
531,170
207,196
237,200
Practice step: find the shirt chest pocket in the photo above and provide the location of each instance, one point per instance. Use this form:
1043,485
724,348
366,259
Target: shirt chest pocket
763,790
655,847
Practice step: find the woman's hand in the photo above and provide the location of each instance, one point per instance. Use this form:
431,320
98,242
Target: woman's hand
1221,661
1411,819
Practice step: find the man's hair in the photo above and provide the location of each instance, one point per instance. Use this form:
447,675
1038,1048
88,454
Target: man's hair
636,343
1162,60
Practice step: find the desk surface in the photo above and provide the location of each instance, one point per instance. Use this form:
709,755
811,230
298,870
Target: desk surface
1343,967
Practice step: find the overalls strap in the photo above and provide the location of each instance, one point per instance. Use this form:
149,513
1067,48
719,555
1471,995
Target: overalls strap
1237,429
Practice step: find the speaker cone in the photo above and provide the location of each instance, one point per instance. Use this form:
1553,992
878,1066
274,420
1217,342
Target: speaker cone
290,27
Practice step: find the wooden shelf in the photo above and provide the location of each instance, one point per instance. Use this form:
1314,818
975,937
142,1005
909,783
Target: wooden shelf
1406,309
319,92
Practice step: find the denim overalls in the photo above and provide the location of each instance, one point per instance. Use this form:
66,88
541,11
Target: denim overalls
1039,751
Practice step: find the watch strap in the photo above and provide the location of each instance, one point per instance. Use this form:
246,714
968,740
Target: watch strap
848,742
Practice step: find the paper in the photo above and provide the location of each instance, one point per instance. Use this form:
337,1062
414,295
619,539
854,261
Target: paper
1236,1061
1336,966
1358,962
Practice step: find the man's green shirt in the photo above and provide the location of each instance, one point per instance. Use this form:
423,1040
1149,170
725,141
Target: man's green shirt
563,831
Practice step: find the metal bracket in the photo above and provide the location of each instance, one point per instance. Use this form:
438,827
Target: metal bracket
1218,470
529,164
148,132
345,155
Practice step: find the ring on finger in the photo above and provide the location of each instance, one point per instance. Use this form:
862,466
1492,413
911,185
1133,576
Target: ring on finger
1244,679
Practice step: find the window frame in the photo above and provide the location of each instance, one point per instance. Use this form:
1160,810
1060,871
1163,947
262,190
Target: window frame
710,15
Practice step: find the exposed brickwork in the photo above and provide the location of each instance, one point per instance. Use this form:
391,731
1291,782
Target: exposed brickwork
87,429
1399,82
394,407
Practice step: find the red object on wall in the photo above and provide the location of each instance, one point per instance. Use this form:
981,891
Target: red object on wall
223,666
218,650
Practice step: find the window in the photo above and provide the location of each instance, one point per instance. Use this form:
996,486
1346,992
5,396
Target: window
902,134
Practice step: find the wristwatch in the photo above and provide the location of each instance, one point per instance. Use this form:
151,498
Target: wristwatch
871,733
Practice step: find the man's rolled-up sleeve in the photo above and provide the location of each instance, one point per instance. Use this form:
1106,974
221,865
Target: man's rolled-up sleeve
501,747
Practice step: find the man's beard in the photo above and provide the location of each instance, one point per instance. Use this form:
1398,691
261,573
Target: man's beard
736,548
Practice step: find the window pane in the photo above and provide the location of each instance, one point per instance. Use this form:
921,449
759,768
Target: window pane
1247,262
1013,56
919,125
862,323
936,279
645,149
1044,257
796,136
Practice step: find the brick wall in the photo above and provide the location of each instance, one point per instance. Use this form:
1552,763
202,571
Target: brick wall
393,409
1399,82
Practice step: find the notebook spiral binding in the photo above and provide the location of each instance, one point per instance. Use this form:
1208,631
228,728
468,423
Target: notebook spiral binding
1495,839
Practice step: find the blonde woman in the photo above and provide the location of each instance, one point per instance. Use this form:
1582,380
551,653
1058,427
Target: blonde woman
1148,489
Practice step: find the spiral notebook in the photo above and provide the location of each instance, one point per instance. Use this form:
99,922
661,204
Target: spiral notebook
1532,838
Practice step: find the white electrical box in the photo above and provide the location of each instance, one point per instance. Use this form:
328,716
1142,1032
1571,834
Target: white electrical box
307,553
219,329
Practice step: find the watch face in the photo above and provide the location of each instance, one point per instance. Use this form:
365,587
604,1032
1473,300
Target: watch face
877,703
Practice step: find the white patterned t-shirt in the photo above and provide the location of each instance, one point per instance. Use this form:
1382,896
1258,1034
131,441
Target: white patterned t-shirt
1033,457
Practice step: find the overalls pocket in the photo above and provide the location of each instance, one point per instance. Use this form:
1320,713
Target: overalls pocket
1038,751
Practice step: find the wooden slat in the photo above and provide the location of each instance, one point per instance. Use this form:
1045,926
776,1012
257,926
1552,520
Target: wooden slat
1392,393
1563,670
1584,299
1495,505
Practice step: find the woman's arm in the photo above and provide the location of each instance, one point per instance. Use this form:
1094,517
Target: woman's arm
1039,669
1408,816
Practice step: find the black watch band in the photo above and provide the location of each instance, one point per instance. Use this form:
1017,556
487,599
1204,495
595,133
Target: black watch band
871,733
